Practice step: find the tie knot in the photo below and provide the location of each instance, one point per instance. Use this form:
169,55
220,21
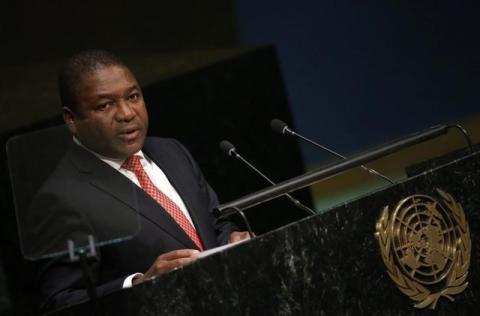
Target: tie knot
132,163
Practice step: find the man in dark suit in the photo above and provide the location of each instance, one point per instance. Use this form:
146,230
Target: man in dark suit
113,182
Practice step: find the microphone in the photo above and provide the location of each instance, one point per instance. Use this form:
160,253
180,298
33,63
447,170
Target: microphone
282,128
228,148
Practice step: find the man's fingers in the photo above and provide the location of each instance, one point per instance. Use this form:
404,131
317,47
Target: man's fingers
176,254
169,261
162,266
237,236
170,264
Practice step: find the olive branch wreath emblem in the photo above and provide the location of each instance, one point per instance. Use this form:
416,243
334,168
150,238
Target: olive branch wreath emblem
456,279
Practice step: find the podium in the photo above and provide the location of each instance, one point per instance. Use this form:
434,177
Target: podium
412,243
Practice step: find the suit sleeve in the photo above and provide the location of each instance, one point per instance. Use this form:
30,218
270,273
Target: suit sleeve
62,282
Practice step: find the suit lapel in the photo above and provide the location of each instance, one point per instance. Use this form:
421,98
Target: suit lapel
104,177
111,182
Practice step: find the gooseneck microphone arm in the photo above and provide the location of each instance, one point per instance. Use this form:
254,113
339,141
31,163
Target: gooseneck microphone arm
230,150
317,175
282,128
465,135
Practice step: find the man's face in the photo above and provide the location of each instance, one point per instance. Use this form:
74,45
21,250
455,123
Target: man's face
110,117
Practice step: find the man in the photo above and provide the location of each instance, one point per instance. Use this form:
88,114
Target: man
90,191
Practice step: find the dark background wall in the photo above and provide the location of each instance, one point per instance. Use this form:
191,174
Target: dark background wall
35,30
359,73
158,38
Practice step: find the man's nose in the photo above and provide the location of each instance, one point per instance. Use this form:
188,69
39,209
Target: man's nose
124,111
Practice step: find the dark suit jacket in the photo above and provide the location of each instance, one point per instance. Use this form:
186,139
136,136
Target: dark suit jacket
86,196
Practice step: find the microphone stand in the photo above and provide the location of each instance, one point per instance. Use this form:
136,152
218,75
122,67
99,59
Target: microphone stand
282,128
230,150
293,200
372,171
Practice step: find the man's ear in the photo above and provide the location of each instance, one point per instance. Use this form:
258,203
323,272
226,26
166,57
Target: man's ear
69,119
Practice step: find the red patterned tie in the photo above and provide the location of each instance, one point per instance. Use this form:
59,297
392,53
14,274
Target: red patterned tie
133,164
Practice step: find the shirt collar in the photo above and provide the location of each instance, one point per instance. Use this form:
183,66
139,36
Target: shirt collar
113,162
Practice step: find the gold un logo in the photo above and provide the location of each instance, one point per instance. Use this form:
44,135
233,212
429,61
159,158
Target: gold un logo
425,245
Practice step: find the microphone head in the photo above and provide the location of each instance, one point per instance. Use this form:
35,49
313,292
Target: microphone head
227,147
279,126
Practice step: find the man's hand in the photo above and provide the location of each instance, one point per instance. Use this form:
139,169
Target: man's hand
166,262
237,236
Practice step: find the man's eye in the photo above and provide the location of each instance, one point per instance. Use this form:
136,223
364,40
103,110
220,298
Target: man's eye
103,106
133,97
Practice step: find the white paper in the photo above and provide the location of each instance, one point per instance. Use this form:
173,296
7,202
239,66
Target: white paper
218,249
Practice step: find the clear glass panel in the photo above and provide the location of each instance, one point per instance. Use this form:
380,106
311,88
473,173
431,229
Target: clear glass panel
63,193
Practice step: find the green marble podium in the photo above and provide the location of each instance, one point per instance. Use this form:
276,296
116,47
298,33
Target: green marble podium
328,264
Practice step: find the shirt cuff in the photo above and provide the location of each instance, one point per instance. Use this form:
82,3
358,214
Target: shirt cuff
127,283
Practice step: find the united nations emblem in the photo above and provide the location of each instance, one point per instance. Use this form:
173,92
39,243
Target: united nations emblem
425,245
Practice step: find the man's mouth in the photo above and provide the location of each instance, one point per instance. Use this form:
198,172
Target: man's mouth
130,134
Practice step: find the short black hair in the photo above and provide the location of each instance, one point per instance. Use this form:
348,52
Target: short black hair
77,66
